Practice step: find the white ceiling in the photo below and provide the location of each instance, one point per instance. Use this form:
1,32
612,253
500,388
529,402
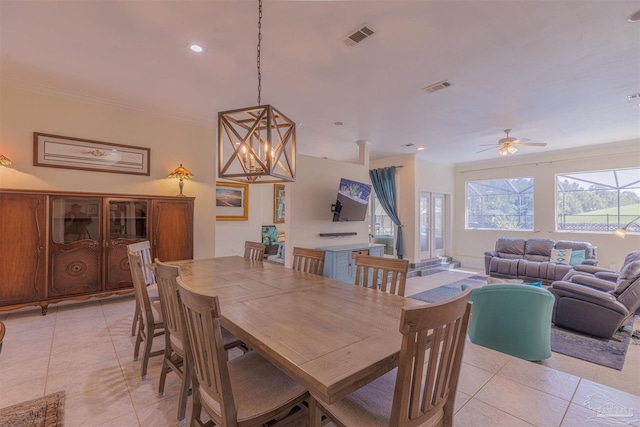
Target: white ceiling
554,71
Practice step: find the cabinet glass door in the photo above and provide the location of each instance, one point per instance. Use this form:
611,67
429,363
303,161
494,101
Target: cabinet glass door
127,222
127,219
74,220
76,246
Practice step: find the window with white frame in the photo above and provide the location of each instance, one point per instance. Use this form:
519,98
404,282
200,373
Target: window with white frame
383,230
599,201
500,204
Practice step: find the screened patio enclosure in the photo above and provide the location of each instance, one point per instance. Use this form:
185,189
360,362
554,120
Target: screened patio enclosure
598,201
503,204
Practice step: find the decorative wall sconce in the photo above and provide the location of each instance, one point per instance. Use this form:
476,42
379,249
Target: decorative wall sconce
181,173
4,160
621,232
260,141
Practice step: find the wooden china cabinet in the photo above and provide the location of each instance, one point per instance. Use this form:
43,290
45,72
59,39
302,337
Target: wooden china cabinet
57,246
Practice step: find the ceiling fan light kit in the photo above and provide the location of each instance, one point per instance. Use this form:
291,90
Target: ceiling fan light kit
507,145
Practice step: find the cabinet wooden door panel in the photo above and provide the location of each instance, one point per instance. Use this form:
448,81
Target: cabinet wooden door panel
173,229
22,247
117,261
75,269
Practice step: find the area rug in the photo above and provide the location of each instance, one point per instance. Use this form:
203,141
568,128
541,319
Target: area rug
609,353
46,411
449,290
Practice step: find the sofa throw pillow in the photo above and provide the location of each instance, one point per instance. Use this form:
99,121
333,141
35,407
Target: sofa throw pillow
577,257
538,284
560,256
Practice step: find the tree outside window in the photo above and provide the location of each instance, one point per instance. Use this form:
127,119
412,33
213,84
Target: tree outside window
599,201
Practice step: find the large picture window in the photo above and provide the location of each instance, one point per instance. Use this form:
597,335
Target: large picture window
597,201
500,204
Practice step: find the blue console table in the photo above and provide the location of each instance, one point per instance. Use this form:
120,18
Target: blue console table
339,261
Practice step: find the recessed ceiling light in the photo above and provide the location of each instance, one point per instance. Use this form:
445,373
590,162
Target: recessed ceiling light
635,17
196,48
420,148
338,123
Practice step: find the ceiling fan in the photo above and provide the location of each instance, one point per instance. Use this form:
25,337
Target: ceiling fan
507,146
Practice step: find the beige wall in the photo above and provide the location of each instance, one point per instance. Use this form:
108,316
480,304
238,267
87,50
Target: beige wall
308,200
470,245
308,204
171,143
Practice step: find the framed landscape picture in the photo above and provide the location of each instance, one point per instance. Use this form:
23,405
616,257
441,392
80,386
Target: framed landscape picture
278,203
232,201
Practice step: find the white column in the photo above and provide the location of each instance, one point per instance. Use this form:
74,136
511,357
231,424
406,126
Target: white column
364,153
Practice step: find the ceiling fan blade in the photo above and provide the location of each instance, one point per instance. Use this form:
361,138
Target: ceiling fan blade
492,145
486,149
533,144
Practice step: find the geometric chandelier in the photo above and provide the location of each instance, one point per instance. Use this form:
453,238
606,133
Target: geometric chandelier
256,144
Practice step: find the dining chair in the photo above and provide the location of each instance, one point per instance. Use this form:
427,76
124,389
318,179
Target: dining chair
254,250
175,335
422,389
245,391
152,324
144,250
3,329
387,274
308,260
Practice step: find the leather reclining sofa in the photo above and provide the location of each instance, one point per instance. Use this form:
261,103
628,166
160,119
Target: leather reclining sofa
530,259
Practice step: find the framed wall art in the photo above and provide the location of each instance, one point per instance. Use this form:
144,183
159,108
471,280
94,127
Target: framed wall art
278,203
57,151
232,201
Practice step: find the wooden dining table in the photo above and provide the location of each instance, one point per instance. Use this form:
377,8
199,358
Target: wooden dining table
330,336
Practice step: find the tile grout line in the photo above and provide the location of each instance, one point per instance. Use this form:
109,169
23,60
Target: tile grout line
53,334
493,375
124,378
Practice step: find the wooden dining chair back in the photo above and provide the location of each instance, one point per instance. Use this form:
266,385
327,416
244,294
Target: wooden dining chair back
387,274
247,390
144,250
425,383
254,250
175,336
151,324
308,260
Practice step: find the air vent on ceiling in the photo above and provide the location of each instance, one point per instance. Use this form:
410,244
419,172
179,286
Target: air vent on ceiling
407,145
358,35
634,96
437,86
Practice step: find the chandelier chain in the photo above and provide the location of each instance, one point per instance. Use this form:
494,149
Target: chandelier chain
259,45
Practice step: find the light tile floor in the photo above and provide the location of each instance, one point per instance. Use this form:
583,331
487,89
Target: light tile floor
86,349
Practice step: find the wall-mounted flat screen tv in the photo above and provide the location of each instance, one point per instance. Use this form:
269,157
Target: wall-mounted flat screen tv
352,202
